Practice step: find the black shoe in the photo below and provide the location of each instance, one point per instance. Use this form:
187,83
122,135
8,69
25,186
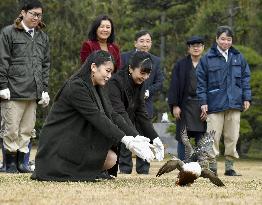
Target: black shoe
231,172
214,171
105,176
142,172
124,172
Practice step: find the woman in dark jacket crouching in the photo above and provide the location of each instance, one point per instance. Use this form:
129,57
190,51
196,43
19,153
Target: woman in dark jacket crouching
75,141
126,93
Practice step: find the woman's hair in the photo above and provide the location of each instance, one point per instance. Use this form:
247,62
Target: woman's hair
99,57
96,23
31,4
225,29
142,60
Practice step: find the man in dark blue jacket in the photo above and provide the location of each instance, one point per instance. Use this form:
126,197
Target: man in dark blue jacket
224,91
143,42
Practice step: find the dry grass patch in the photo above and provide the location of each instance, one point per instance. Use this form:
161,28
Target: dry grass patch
137,189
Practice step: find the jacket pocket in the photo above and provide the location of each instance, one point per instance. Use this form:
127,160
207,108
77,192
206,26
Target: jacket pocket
40,48
19,48
236,73
18,61
16,70
237,76
215,77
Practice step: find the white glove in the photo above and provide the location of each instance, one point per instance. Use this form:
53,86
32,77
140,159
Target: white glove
5,94
44,100
146,94
140,138
159,149
140,148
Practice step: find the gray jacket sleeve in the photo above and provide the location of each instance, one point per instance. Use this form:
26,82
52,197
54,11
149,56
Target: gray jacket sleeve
5,53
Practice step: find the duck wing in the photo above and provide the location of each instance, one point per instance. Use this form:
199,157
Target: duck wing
188,147
170,166
206,173
205,145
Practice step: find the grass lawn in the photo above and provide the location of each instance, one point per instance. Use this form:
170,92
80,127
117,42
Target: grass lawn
138,189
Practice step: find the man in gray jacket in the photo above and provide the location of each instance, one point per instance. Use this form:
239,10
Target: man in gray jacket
24,71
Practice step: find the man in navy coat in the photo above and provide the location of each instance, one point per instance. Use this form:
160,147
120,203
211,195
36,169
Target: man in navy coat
223,88
143,42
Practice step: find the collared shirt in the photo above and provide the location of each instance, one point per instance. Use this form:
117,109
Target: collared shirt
28,30
224,53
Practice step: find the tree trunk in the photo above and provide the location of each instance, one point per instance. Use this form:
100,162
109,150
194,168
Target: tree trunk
162,38
230,16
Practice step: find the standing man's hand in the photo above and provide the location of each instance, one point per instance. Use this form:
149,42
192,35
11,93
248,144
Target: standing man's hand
5,94
146,94
246,105
177,112
204,110
44,100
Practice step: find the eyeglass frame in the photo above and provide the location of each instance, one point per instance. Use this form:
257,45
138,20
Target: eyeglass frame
34,14
196,45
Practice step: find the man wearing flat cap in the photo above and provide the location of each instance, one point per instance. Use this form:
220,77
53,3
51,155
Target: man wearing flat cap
182,97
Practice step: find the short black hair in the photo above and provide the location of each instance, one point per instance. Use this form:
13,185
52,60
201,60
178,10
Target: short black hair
224,29
142,33
31,4
142,60
96,23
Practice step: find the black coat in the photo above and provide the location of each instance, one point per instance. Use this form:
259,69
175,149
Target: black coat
178,95
155,81
128,100
78,132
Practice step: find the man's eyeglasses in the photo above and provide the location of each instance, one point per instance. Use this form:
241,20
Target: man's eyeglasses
34,14
196,45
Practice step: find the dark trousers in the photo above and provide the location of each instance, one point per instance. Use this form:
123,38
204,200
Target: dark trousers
126,164
180,150
181,147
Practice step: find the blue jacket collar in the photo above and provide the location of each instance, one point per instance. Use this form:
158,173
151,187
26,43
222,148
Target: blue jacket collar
214,51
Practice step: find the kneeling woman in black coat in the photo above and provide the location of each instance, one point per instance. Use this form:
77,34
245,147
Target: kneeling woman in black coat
127,93
75,141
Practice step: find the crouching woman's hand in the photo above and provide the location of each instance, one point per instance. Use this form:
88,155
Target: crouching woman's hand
141,148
